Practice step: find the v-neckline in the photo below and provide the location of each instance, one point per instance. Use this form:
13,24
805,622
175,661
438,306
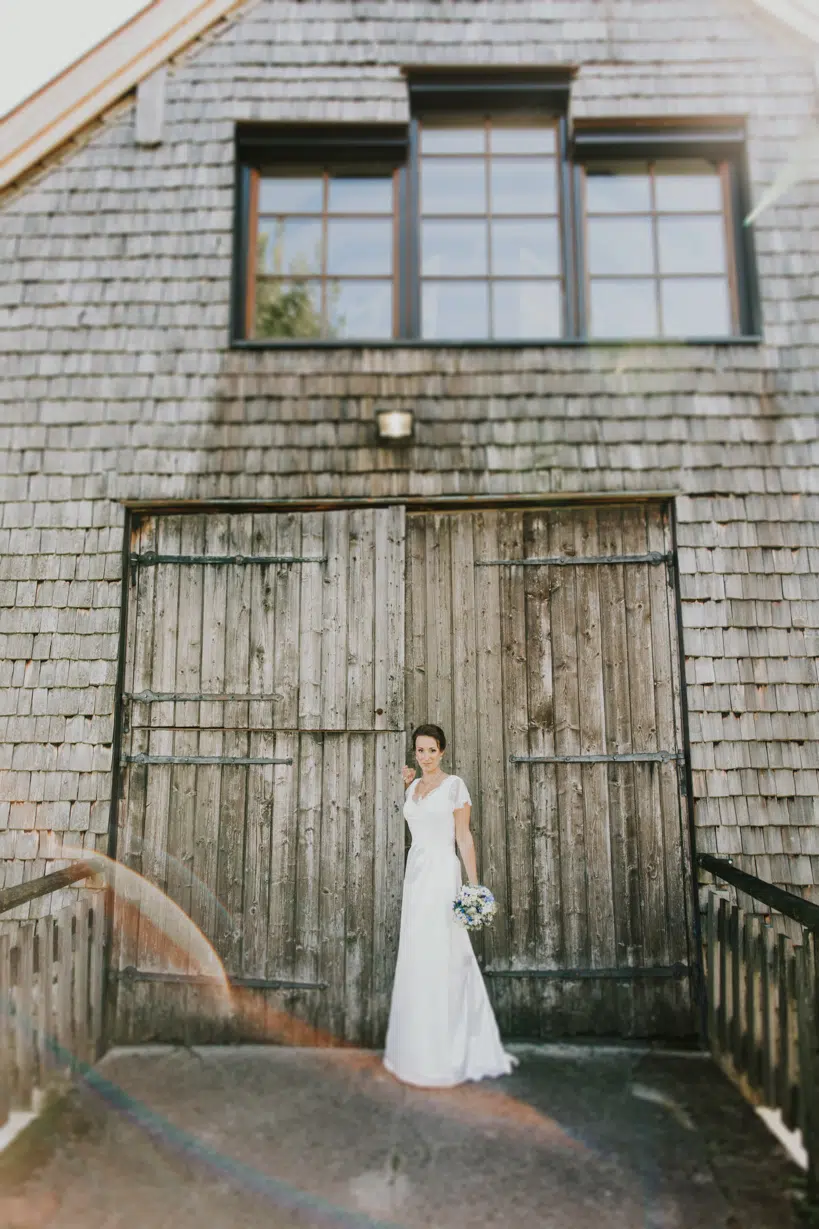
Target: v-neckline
418,800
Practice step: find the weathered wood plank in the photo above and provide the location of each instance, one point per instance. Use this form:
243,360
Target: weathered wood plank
230,865
6,1048
712,983
24,1016
548,921
65,960
310,622
592,737
183,801
361,621
387,873
335,809
264,661
308,857
258,824
263,630
577,996
140,642
735,928
152,1012
359,891
334,638
283,841
416,673
82,952
390,528
45,1004
464,670
438,631
515,721
216,640
767,1016
492,861
655,920
624,821
680,943
96,975
287,634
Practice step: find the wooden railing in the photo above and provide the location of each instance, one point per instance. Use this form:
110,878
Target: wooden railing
51,990
763,1001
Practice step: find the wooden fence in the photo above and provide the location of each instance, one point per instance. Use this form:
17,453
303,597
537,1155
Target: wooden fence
763,1002
51,995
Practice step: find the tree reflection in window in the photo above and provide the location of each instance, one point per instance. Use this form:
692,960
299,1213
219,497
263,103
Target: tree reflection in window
324,257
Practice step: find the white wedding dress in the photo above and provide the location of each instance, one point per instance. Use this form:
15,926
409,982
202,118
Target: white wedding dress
442,1030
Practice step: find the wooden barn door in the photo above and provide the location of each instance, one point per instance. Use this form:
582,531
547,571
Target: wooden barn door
261,789
545,643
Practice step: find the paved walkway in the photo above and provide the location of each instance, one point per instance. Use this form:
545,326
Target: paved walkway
575,1138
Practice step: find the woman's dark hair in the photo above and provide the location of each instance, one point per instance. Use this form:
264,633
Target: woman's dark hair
430,731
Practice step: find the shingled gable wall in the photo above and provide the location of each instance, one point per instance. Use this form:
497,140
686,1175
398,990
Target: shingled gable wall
119,384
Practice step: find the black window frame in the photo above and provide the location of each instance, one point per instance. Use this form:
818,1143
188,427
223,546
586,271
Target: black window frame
459,94
657,141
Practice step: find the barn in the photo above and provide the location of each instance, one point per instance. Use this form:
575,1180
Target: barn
374,363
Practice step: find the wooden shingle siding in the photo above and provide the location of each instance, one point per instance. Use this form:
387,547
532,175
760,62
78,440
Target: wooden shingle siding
118,384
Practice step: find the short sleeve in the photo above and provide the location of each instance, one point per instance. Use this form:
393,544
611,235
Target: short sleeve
460,795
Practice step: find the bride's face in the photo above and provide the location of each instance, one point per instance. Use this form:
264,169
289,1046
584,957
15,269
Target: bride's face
428,754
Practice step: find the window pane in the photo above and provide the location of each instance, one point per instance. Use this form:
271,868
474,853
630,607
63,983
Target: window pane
450,248
622,308
360,195
510,139
526,309
622,245
525,247
291,245
696,307
455,310
692,245
360,309
688,193
282,195
359,247
524,186
467,140
612,193
288,309
453,187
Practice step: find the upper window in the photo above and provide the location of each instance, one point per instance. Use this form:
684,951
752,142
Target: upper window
658,254
491,263
324,256
477,223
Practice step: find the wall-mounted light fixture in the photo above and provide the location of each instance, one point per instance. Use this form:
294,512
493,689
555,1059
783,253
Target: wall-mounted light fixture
394,426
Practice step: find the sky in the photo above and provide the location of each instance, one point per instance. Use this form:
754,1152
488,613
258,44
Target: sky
42,37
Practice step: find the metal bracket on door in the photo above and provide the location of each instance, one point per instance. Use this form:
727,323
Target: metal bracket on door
628,757
626,974
151,558
132,974
140,758
563,561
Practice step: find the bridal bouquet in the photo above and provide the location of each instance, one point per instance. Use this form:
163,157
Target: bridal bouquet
474,907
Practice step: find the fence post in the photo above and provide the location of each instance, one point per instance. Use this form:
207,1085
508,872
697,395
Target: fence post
5,1030
808,985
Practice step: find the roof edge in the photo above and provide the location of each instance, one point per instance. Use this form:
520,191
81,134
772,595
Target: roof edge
797,15
77,96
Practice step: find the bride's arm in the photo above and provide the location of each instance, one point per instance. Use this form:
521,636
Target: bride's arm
465,843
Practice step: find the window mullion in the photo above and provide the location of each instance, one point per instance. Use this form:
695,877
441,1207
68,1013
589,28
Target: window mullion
655,243
487,148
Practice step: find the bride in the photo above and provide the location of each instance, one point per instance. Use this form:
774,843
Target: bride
442,1030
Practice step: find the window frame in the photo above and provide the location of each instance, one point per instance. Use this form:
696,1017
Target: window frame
654,142
455,96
